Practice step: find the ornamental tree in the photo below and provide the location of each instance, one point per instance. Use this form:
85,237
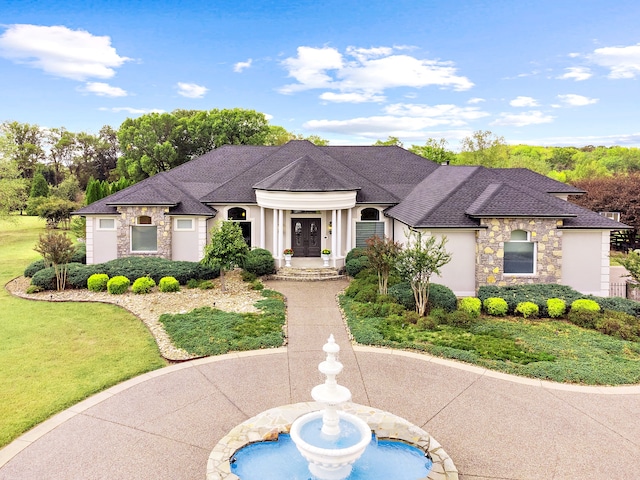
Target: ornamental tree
422,257
56,250
226,250
382,254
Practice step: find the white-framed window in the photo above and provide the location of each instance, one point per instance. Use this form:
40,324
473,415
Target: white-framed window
239,215
368,226
144,235
612,215
520,254
183,224
106,224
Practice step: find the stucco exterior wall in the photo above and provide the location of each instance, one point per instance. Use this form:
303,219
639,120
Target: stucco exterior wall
101,244
188,245
585,259
490,251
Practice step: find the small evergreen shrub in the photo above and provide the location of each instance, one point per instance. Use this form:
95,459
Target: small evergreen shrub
118,285
193,283
620,325
45,279
368,293
143,285
168,284
442,297
460,319
556,307
356,265
259,262
495,306
584,313
78,274
34,267
527,309
33,289
98,282
355,253
248,276
257,285
206,285
403,294
471,305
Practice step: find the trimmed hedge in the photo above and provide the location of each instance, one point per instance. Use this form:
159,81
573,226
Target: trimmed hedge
527,309
496,306
471,305
439,296
118,285
98,282
168,284
556,307
143,285
259,262
356,265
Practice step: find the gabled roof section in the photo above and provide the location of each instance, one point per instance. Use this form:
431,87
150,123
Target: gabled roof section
306,175
504,200
542,183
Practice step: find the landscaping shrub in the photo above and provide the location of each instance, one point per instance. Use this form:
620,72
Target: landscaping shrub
78,274
143,285
45,279
168,284
80,254
442,297
355,253
257,285
156,268
460,318
259,262
619,324
471,305
118,285
556,307
495,306
403,294
536,293
98,282
356,265
584,313
618,304
248,276
368,293
527,309
34,267
193,283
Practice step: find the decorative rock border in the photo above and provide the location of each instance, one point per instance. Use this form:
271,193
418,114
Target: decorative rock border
270,423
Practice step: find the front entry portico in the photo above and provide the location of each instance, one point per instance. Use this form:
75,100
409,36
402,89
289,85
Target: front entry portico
305,236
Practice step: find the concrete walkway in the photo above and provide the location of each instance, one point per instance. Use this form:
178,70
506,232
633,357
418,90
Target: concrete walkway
164,424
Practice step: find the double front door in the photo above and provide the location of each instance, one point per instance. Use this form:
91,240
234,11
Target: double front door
305,237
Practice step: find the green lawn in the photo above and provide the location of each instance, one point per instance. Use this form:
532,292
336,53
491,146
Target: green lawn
56,354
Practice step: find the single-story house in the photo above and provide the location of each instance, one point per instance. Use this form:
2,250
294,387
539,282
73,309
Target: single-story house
503,226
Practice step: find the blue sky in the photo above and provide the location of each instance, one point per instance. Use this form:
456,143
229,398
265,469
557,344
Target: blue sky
544,72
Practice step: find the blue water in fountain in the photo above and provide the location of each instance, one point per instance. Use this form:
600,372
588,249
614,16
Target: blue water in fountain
311,432
280,460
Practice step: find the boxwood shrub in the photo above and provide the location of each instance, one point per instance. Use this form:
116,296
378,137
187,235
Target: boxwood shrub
495,306
556,307
471,305
118,285
442,297
403,294
528,309
168,284
356,265
259,262
98,282
156,268
143,285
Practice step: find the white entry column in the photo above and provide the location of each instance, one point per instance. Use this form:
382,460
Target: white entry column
334,235
262,228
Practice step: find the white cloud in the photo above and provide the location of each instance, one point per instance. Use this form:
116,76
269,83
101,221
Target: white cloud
60,51
523,119
191,90
631,139
367,72
104,89
240,66
352,97
622,62
131,110
475,100
576,73
440,114
573,100
521,101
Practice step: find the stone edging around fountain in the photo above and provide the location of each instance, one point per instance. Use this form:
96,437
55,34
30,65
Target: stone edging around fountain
270,423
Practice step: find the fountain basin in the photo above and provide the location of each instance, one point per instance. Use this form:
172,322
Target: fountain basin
325,462
267,425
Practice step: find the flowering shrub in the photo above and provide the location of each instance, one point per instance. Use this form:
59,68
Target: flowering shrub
288,251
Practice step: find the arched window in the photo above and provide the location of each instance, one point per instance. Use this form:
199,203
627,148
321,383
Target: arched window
237,213
519,253
143,220
370,214
368,226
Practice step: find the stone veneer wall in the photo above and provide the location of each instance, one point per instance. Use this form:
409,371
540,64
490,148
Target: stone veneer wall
128,216
490,251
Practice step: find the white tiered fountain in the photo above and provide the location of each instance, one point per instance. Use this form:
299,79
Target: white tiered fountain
332,445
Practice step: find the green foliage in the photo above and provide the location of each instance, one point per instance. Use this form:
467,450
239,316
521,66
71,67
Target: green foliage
118,285
355,253
79,253
98,282
248,276
259,262
45,279
56,250
528,309
356,265
168,284
403,294
56,211
208,331
471,305
495,306
632,263
34,267
78,274
442,297
227,248
421,258
585,305
435,150
620,325
143,285
39,186
556,307
368,293
382,254
584,313
157,268
257,285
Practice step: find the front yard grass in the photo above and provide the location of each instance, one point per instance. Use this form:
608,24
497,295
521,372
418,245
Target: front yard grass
545,349
209,331
56,354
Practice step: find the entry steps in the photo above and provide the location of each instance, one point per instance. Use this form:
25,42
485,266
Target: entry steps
307,274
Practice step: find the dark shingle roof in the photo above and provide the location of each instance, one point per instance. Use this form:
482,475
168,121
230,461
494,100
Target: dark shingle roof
420,193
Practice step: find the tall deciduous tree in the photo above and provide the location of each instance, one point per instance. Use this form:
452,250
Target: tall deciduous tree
434,150
422,257
383,255
226,250
483,148
29,146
